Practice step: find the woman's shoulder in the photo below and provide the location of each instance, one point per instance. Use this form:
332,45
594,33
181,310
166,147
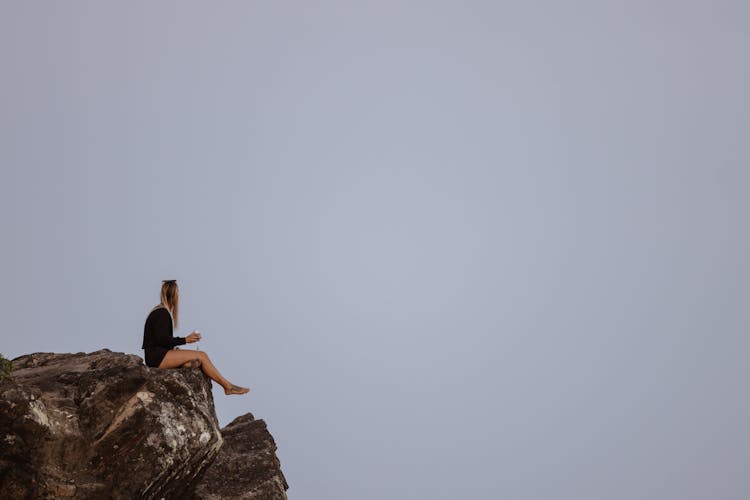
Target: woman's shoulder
157,310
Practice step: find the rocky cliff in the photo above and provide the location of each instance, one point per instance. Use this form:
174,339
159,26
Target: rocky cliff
103,425
246,464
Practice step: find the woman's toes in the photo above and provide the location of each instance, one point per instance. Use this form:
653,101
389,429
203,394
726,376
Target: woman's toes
236,389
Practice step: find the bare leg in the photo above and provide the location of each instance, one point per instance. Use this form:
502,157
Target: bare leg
193,363
175,358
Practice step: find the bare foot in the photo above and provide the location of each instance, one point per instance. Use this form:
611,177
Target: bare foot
235,389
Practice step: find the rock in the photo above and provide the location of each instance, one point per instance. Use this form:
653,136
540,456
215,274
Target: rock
247,467
103,425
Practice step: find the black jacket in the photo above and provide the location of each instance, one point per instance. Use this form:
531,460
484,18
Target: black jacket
158,330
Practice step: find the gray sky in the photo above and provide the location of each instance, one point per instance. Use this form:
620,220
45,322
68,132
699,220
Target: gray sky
455,249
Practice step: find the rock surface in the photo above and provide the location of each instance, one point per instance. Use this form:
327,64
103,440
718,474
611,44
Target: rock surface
103,425
246,467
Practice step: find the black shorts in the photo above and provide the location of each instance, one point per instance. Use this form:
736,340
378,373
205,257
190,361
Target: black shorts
154,355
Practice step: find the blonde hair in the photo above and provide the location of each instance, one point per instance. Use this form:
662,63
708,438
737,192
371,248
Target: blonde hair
171,299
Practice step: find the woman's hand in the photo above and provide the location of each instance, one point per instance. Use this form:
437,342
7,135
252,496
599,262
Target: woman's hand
193,337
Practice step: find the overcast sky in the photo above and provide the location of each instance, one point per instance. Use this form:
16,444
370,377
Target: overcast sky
457,250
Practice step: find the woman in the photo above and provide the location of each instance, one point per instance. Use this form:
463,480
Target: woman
159,342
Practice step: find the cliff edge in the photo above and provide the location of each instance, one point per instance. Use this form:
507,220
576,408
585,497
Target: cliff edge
103,425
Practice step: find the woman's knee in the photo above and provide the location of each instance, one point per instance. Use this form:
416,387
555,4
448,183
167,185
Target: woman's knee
202,356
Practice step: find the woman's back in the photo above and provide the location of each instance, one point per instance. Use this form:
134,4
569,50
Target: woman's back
157,328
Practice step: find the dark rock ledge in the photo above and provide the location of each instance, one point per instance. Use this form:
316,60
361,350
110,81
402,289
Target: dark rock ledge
103,425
